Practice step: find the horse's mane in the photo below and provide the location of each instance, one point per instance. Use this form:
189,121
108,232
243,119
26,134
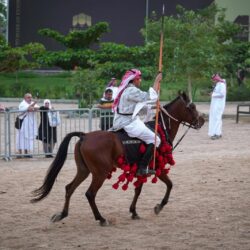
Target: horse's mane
180,95
170,103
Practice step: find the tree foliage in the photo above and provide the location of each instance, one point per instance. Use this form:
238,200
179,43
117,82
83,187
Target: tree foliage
78,45
14,59
3,17
78,39
195,45
86,86
67,59
109,59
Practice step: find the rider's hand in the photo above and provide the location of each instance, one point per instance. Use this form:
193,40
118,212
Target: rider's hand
159,77
157,82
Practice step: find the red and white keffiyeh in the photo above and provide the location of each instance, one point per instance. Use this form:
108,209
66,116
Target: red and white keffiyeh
129,75
217,78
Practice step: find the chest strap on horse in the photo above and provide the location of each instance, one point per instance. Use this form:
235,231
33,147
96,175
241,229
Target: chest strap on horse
165,129
171,117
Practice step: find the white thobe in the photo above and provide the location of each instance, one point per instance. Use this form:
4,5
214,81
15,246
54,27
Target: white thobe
217,106
28,132
132,101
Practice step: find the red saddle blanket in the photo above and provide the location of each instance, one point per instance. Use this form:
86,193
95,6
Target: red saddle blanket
132,154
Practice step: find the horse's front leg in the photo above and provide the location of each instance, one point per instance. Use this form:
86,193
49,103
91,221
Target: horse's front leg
164,177
132,208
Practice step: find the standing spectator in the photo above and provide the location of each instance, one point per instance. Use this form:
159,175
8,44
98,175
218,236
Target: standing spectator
105,104
46,133
217,106
2,108
112,85
240,76
28,131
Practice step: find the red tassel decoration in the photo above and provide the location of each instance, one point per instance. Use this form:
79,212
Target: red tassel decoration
116,185
126,168
163,157
158,172
134,168
130,177
137,184
120,160
142,149
154,180
125,187
122,177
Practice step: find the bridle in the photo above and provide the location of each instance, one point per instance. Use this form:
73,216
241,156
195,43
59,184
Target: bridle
170,117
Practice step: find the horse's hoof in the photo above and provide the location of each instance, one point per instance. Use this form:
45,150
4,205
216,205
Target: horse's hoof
57,217
157,209
135,217
104,223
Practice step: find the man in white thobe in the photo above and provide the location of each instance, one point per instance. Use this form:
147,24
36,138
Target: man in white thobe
217,106
27,133
127,105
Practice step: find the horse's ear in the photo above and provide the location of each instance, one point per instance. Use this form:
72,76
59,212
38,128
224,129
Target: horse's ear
179,93
186,97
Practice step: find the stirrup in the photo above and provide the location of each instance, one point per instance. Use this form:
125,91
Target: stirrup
147,171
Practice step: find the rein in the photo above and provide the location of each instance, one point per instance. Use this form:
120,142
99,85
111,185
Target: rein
181,138
176,120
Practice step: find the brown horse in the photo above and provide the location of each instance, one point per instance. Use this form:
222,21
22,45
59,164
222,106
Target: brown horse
97,152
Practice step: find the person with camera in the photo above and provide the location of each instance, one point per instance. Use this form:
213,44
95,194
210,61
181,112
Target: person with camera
28,127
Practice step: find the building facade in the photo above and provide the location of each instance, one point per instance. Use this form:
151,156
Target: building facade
238,12
126,18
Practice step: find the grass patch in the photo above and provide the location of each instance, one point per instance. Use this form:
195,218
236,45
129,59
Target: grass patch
47,86
60,86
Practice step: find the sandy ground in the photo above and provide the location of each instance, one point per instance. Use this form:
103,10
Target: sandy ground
209,206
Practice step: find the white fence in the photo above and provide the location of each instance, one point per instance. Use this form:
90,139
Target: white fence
84,120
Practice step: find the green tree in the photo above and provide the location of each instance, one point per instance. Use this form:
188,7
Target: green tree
87,88
194,44
3,17
110,59
77,45
67,59
78,39
235,51
15,59
114,59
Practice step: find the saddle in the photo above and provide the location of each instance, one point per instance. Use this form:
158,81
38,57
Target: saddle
132,145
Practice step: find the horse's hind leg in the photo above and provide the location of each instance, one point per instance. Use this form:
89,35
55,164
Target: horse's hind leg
82,174
70,188
132,208
95,185
164,178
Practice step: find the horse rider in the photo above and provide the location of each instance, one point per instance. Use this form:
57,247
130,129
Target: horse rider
129,101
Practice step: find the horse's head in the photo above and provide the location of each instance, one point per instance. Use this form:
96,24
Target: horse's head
185,111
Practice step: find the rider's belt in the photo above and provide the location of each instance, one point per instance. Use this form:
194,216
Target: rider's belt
122,113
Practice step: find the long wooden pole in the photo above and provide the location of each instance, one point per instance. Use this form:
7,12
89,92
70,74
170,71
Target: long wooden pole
159,86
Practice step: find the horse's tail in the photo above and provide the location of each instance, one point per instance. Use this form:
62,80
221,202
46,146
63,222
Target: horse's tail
54,168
